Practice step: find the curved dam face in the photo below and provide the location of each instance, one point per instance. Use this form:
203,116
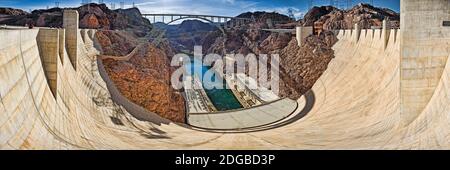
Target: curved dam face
48,103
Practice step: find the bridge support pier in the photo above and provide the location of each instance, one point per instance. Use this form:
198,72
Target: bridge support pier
301,33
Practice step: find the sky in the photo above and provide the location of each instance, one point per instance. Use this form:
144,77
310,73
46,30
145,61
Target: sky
205,7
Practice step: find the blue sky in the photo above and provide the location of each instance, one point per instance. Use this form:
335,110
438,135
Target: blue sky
215,7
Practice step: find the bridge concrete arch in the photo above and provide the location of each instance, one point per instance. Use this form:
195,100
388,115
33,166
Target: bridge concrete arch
200,18
226,20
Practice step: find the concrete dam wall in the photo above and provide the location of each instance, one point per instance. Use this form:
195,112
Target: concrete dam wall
356,104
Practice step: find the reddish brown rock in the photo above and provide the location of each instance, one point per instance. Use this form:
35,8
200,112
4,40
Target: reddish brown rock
11,11
364,14
90,21
303,66
145,77
116,43
92,16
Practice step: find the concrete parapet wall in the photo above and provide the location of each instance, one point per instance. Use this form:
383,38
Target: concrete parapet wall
48,43
70,23
424,52
370,36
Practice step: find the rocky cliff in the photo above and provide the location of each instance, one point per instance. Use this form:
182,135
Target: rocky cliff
248,38
12,12
364,14
145,77
92,16
302,66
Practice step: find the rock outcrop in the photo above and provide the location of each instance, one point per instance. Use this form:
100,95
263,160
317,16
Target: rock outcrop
302,66
315,13
248,38
364,14
11,11
92,16
144,78
116,43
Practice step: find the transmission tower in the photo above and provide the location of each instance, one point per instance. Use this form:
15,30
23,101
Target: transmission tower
349,4
122,5
291,14
310,4
57,4
100,1
113,6
134,5
342,4
84,2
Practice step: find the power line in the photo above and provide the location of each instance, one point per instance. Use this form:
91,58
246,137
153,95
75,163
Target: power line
122,5
310,4
84,2
349,4
342,4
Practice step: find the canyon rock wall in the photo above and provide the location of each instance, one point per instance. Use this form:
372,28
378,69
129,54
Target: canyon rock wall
144,78
364,14
91,16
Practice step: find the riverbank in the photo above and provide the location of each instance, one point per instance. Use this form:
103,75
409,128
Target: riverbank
196,98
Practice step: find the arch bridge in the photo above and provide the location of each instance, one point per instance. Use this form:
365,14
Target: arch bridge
224,21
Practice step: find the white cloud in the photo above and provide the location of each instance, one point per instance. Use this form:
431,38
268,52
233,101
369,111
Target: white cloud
211,7
282,10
